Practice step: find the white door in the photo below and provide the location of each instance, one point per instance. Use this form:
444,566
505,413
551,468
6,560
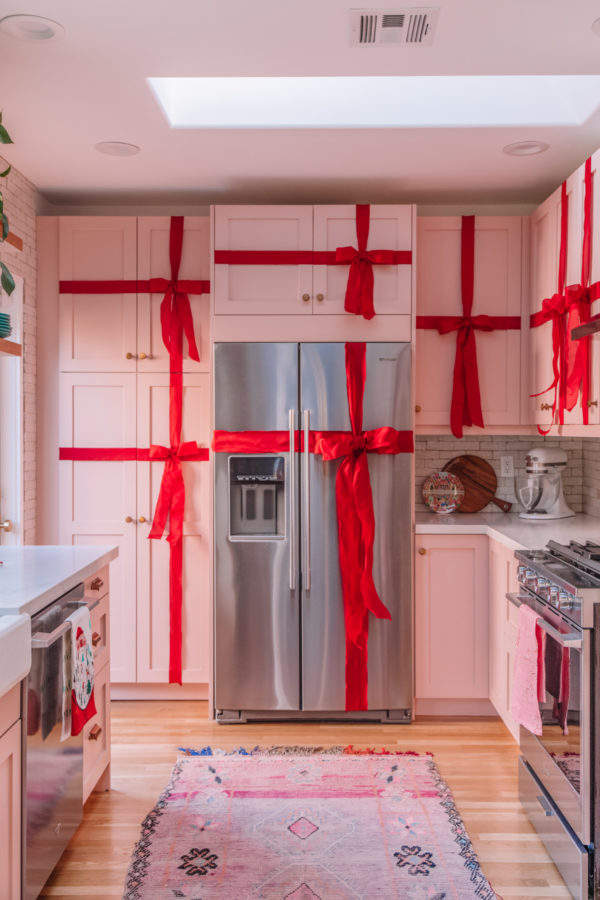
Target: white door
11,425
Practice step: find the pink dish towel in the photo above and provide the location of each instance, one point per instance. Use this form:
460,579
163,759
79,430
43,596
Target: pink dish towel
528,682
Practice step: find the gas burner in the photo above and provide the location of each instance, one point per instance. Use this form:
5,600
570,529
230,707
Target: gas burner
589,550
538,554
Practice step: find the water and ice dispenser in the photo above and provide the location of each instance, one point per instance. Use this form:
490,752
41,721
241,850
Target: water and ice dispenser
256,496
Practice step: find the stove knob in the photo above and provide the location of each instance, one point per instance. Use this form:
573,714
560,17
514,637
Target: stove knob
565,600
521,573
554,596
531,579
543,588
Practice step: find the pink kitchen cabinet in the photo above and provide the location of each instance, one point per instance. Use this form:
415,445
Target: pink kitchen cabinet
451,623
306,289
545,248
498,283
10,791
503,631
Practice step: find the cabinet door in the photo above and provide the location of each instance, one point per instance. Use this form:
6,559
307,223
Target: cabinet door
263,289
451,617
390,228
10,812
96,734
96,496
545,248
497,292
153,555
502,580
97,331
153,262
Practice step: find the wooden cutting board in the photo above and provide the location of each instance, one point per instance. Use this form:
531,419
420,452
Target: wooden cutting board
479,481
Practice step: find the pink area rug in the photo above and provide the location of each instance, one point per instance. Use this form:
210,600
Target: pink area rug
305,827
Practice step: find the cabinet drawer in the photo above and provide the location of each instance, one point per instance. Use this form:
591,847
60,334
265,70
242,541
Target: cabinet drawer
96,735
100,633
97,584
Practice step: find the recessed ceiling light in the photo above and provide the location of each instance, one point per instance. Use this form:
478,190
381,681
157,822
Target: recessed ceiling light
525,148
596,26
117,148
32,28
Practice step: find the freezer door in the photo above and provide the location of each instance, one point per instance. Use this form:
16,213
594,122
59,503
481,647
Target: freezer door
257,656
387,401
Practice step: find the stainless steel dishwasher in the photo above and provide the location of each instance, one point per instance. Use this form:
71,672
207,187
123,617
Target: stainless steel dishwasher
53,771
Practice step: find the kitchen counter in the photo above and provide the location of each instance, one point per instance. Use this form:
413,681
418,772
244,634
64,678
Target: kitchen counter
31,577
510,530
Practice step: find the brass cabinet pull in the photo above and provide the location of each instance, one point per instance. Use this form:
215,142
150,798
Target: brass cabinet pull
418,408
142,356
130,356
96,584
96,638
142,519
320,297
95,733
128,519
592,403
545,406
421,551
306,297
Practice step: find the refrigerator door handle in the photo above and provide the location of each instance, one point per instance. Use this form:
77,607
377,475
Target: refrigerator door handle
293,538
306,511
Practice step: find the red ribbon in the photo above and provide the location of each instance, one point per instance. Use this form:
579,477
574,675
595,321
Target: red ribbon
466,396
359,290
356,522
132,286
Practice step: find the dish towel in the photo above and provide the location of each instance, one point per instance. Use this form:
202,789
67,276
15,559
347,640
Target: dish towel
528,682
558,664
83,706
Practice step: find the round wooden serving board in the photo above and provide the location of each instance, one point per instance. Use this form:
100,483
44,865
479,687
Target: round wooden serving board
479,481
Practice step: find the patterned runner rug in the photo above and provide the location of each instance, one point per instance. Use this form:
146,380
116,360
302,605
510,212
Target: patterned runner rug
305,826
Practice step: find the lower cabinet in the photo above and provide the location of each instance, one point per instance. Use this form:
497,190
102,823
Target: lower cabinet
10,792
503,631
451,622
96,732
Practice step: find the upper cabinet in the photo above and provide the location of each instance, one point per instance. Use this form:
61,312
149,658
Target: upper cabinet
268,259
111,323
497,292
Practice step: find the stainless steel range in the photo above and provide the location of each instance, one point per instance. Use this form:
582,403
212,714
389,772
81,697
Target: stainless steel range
557,771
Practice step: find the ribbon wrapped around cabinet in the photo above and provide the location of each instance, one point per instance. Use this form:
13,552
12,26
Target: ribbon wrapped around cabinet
466,396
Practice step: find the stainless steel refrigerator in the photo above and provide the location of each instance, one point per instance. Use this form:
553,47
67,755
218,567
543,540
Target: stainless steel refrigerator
279,618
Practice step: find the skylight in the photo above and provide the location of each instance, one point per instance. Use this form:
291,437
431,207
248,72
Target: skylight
378,101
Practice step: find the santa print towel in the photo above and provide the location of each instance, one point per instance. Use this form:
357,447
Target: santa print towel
83,706
528,682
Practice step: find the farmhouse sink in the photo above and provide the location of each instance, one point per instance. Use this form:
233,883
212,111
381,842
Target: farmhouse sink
15,650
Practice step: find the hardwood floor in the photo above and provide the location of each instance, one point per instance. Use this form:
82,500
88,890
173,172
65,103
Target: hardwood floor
477,757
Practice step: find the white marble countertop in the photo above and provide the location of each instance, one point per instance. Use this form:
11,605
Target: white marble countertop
32,577
511,530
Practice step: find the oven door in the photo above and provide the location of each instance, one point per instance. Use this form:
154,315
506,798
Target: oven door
560,756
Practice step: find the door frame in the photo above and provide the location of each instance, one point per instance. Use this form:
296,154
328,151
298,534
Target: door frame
11,423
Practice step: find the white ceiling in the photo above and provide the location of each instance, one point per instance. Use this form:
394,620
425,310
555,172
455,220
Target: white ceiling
59,99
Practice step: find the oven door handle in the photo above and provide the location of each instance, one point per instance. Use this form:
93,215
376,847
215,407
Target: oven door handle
571,639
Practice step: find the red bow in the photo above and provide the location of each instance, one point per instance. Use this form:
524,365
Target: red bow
359,290
171,497
175,310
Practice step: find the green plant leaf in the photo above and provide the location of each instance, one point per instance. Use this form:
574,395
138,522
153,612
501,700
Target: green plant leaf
4,227
5,137
6,279
6,172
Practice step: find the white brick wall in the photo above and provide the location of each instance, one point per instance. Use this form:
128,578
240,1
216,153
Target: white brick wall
432,452
20,200
591,476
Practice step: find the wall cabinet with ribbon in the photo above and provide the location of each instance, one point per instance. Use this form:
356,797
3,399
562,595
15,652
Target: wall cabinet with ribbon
564,375
294,260
113,273
468,343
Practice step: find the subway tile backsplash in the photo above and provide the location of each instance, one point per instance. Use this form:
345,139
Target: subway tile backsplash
581,477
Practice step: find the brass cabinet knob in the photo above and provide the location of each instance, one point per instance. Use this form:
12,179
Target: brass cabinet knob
95,733
142,519
592,403
96,638
142,356
418,408
7,525
130,356
421,551
320,297
129,519
306,297
545,406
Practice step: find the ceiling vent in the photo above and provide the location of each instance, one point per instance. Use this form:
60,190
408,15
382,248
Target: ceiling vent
412,27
